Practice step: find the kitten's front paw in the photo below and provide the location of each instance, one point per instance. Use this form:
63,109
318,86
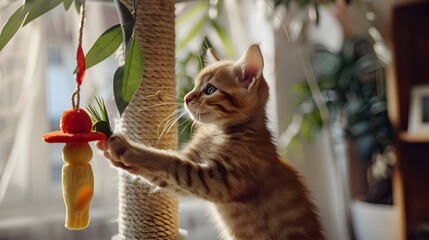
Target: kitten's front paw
120,153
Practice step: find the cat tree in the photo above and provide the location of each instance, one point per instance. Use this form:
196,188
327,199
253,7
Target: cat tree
143,213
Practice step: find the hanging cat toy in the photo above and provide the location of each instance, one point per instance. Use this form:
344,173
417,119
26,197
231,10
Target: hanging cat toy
76,130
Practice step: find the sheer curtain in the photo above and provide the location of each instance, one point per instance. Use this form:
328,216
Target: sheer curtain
36,83
22,112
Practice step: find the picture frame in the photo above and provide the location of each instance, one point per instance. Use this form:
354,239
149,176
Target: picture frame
418,122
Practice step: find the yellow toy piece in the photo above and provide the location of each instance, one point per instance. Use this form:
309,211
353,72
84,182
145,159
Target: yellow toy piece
78,188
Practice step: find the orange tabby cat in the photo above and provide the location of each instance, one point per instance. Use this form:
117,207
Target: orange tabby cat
231,160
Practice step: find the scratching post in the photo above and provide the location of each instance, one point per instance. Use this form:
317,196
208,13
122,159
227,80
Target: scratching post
143,213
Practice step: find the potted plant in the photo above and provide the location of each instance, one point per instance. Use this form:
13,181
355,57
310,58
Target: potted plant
352,84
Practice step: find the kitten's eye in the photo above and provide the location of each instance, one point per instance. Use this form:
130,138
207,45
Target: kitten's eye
210,89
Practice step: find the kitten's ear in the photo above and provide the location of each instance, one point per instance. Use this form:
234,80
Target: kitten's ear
211,56
251,64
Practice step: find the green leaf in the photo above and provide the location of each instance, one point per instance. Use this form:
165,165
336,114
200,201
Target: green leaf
67,4
133,70
104,46
102,126
78,4
301,88
99,117
127,21
192,33
103,109
121,103
12,25
360,128
365,146
205,44
306,129
127,78
226,41
40,7
189,15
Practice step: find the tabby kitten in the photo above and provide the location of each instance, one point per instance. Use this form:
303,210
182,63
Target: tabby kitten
231,160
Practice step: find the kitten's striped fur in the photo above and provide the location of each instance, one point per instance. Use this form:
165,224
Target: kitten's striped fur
231,160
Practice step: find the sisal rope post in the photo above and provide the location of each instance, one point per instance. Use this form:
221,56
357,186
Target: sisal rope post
143,213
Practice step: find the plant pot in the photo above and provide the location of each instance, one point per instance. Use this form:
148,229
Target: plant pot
375,221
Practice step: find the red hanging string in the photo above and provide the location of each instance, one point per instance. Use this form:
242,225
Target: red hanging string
80,56
80,59
80,64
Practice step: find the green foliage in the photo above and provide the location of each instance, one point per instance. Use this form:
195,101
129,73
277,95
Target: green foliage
99,118
195,30
39,7
128,77
133,70
202,29
306,4
104,46
196,10
127,21
12,25
121,103
78,4
351,87
226,41
29,11
185,78
67,4
303,3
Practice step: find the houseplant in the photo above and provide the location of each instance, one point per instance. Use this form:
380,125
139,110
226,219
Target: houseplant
352,85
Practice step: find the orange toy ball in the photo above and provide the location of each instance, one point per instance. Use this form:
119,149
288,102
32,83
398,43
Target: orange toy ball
75,121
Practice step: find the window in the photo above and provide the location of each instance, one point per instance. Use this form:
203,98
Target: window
36,83
55,55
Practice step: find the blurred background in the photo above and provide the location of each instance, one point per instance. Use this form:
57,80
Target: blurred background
341,75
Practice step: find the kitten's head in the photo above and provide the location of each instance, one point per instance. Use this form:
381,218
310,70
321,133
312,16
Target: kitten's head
228,92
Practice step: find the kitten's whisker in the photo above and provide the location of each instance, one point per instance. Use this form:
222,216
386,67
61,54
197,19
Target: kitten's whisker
188,121
168,126
157,105
214,110
184,121
193,125
203,102
172,115
164,94
177,107
158,89
170,121
197,114
175,122
236,109
165,127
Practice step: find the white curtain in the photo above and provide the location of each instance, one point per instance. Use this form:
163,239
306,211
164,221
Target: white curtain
36,83
22,113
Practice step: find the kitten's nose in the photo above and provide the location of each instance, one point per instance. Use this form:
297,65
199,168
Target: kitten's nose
188,99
